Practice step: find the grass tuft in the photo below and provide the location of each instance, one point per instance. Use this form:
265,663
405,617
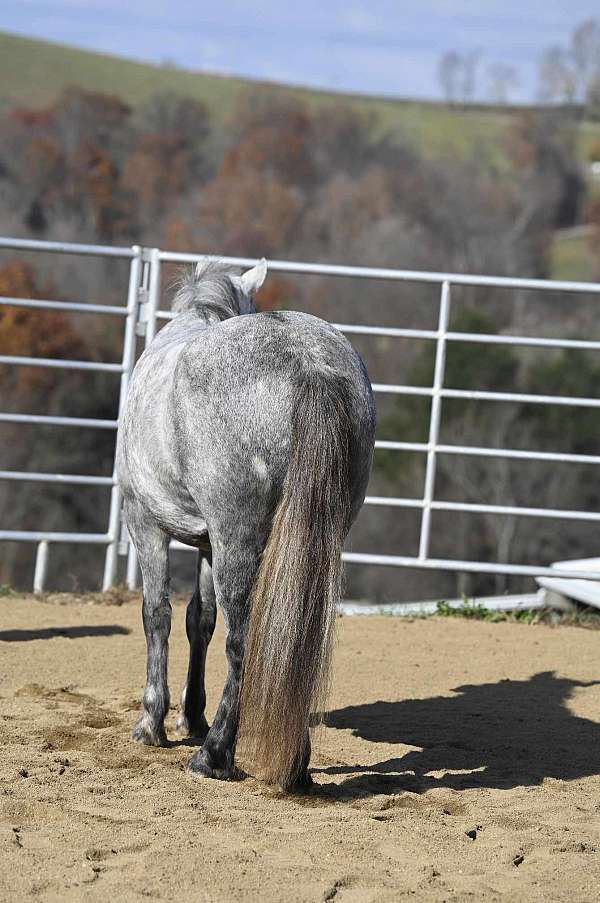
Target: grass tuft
585,617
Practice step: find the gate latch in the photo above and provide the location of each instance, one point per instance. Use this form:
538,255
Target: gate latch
142,319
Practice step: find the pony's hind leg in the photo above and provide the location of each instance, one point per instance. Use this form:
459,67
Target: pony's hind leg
152,546
199,625
302,781
233,573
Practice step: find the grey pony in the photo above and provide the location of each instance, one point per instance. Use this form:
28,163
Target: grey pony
249,436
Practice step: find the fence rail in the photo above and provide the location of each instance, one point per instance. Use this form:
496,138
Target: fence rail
65,305
142,316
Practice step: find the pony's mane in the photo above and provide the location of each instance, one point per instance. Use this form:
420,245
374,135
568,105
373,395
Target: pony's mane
207,289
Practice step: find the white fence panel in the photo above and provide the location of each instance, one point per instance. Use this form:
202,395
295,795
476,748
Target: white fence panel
142,316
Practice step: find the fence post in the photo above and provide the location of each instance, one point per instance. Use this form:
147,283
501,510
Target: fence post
147,328
153,295
41,567
128,361
434,422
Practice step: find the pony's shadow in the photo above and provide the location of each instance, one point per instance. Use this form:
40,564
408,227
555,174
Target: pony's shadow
72,633
499,735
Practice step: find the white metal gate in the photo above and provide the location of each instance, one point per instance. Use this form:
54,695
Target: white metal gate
142,315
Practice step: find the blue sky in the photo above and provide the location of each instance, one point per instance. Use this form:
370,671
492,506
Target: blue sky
377,47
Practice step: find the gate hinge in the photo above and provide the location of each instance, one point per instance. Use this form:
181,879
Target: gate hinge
142,318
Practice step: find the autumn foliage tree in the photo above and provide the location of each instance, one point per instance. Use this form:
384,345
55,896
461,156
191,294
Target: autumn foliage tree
279,178
32,333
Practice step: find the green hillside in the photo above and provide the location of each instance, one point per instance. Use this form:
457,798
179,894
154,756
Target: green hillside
33,72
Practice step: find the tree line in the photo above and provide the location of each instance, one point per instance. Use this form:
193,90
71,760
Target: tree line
567,74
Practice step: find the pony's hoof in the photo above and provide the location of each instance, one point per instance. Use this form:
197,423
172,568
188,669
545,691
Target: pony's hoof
301,785
186,728
199,767
144,732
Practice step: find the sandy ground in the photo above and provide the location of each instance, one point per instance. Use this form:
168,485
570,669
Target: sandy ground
461,762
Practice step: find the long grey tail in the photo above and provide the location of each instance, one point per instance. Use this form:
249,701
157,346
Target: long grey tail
290,637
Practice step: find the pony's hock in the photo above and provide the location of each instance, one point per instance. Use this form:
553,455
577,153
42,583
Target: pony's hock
143,315
256,430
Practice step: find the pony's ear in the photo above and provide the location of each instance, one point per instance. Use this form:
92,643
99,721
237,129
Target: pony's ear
251,280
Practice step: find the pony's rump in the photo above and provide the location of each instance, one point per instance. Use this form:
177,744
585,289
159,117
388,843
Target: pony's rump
290,636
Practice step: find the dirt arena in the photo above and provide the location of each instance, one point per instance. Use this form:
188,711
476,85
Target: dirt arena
461,762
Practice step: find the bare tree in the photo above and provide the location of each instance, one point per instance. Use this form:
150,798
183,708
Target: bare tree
557,77
571,74
470,63
502,79
585,53
449,75
457,75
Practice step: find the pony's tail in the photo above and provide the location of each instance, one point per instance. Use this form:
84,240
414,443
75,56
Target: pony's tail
290,637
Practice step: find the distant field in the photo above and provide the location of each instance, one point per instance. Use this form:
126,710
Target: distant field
34,72
572,256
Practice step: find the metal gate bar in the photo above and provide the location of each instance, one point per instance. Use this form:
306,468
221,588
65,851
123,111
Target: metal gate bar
325,269
434,420
124,368
127,365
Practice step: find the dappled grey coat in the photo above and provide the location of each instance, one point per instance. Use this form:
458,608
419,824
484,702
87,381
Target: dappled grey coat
250,436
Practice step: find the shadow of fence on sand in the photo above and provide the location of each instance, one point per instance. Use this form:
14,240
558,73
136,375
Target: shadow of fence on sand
72,633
